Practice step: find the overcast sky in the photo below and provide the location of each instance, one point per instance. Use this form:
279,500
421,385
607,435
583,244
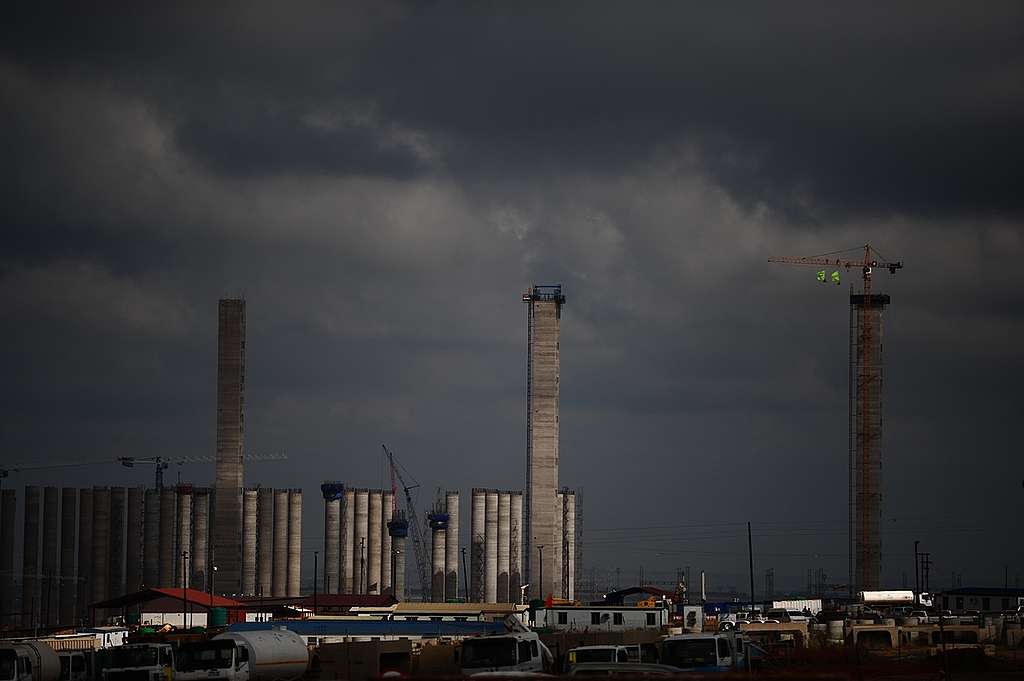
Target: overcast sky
382,181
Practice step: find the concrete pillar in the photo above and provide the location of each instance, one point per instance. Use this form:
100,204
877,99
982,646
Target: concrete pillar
279,585
265,542
249,511
476,545
332,494
49,591
504,543
569,561
168,547
373,542
515,549
133,541
85,533
398,545
8,509
100,546
229,469
491,547
200,566
559,548
184,534
348,528
437,541
151,539
387,585
118,508
359,540
542,405
294,542
451,546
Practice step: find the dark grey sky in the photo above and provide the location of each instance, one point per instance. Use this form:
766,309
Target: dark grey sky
381,182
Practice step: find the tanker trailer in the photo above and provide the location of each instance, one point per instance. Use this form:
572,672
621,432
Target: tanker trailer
28,661
271,655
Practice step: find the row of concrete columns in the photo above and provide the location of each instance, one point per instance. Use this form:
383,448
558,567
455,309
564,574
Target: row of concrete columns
82,546
364,551
496,545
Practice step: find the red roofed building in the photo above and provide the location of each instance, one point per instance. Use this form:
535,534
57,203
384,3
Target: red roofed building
159,606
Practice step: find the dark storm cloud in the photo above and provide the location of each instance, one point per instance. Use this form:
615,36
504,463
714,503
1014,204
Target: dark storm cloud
814,110
381,181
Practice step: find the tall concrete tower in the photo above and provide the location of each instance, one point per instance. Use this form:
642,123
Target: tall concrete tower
228,479
866,376
542,389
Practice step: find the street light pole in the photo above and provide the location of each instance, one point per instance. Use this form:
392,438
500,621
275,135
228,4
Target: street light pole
540,584
917,575
316,569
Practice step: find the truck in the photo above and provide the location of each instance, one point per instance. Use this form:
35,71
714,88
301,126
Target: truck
137,662
706,652
520,651
896,597
28,661
267,655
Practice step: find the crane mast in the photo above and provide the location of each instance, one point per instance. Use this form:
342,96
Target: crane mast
414,521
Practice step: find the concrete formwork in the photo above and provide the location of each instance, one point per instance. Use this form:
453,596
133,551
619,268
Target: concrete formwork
504,544
294,542
200,538
265,542
451,546
229,474
515,549
437,541
362,520
100,544
543,367
84,573
348,528
151,538
167,547
279,578
250,502
8,509
491,546
386,560
49,592
332,535
559,548
476,544
133,541
118,509
373,542
569,556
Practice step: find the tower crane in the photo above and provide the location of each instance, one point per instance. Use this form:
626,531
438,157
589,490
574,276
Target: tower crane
417,528
865,408
161,463
5,471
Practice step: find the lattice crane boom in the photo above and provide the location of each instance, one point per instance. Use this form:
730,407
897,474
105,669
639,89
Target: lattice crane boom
414,522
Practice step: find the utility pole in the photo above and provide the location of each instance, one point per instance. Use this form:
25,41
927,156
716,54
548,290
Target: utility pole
316,568
465,577
362,562
750,555
184,590
917,575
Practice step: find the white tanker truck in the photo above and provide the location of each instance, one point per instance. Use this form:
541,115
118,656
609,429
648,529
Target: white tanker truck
272,655
28,661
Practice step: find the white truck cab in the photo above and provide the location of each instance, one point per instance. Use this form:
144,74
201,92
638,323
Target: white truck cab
512,652
137,662
706,652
